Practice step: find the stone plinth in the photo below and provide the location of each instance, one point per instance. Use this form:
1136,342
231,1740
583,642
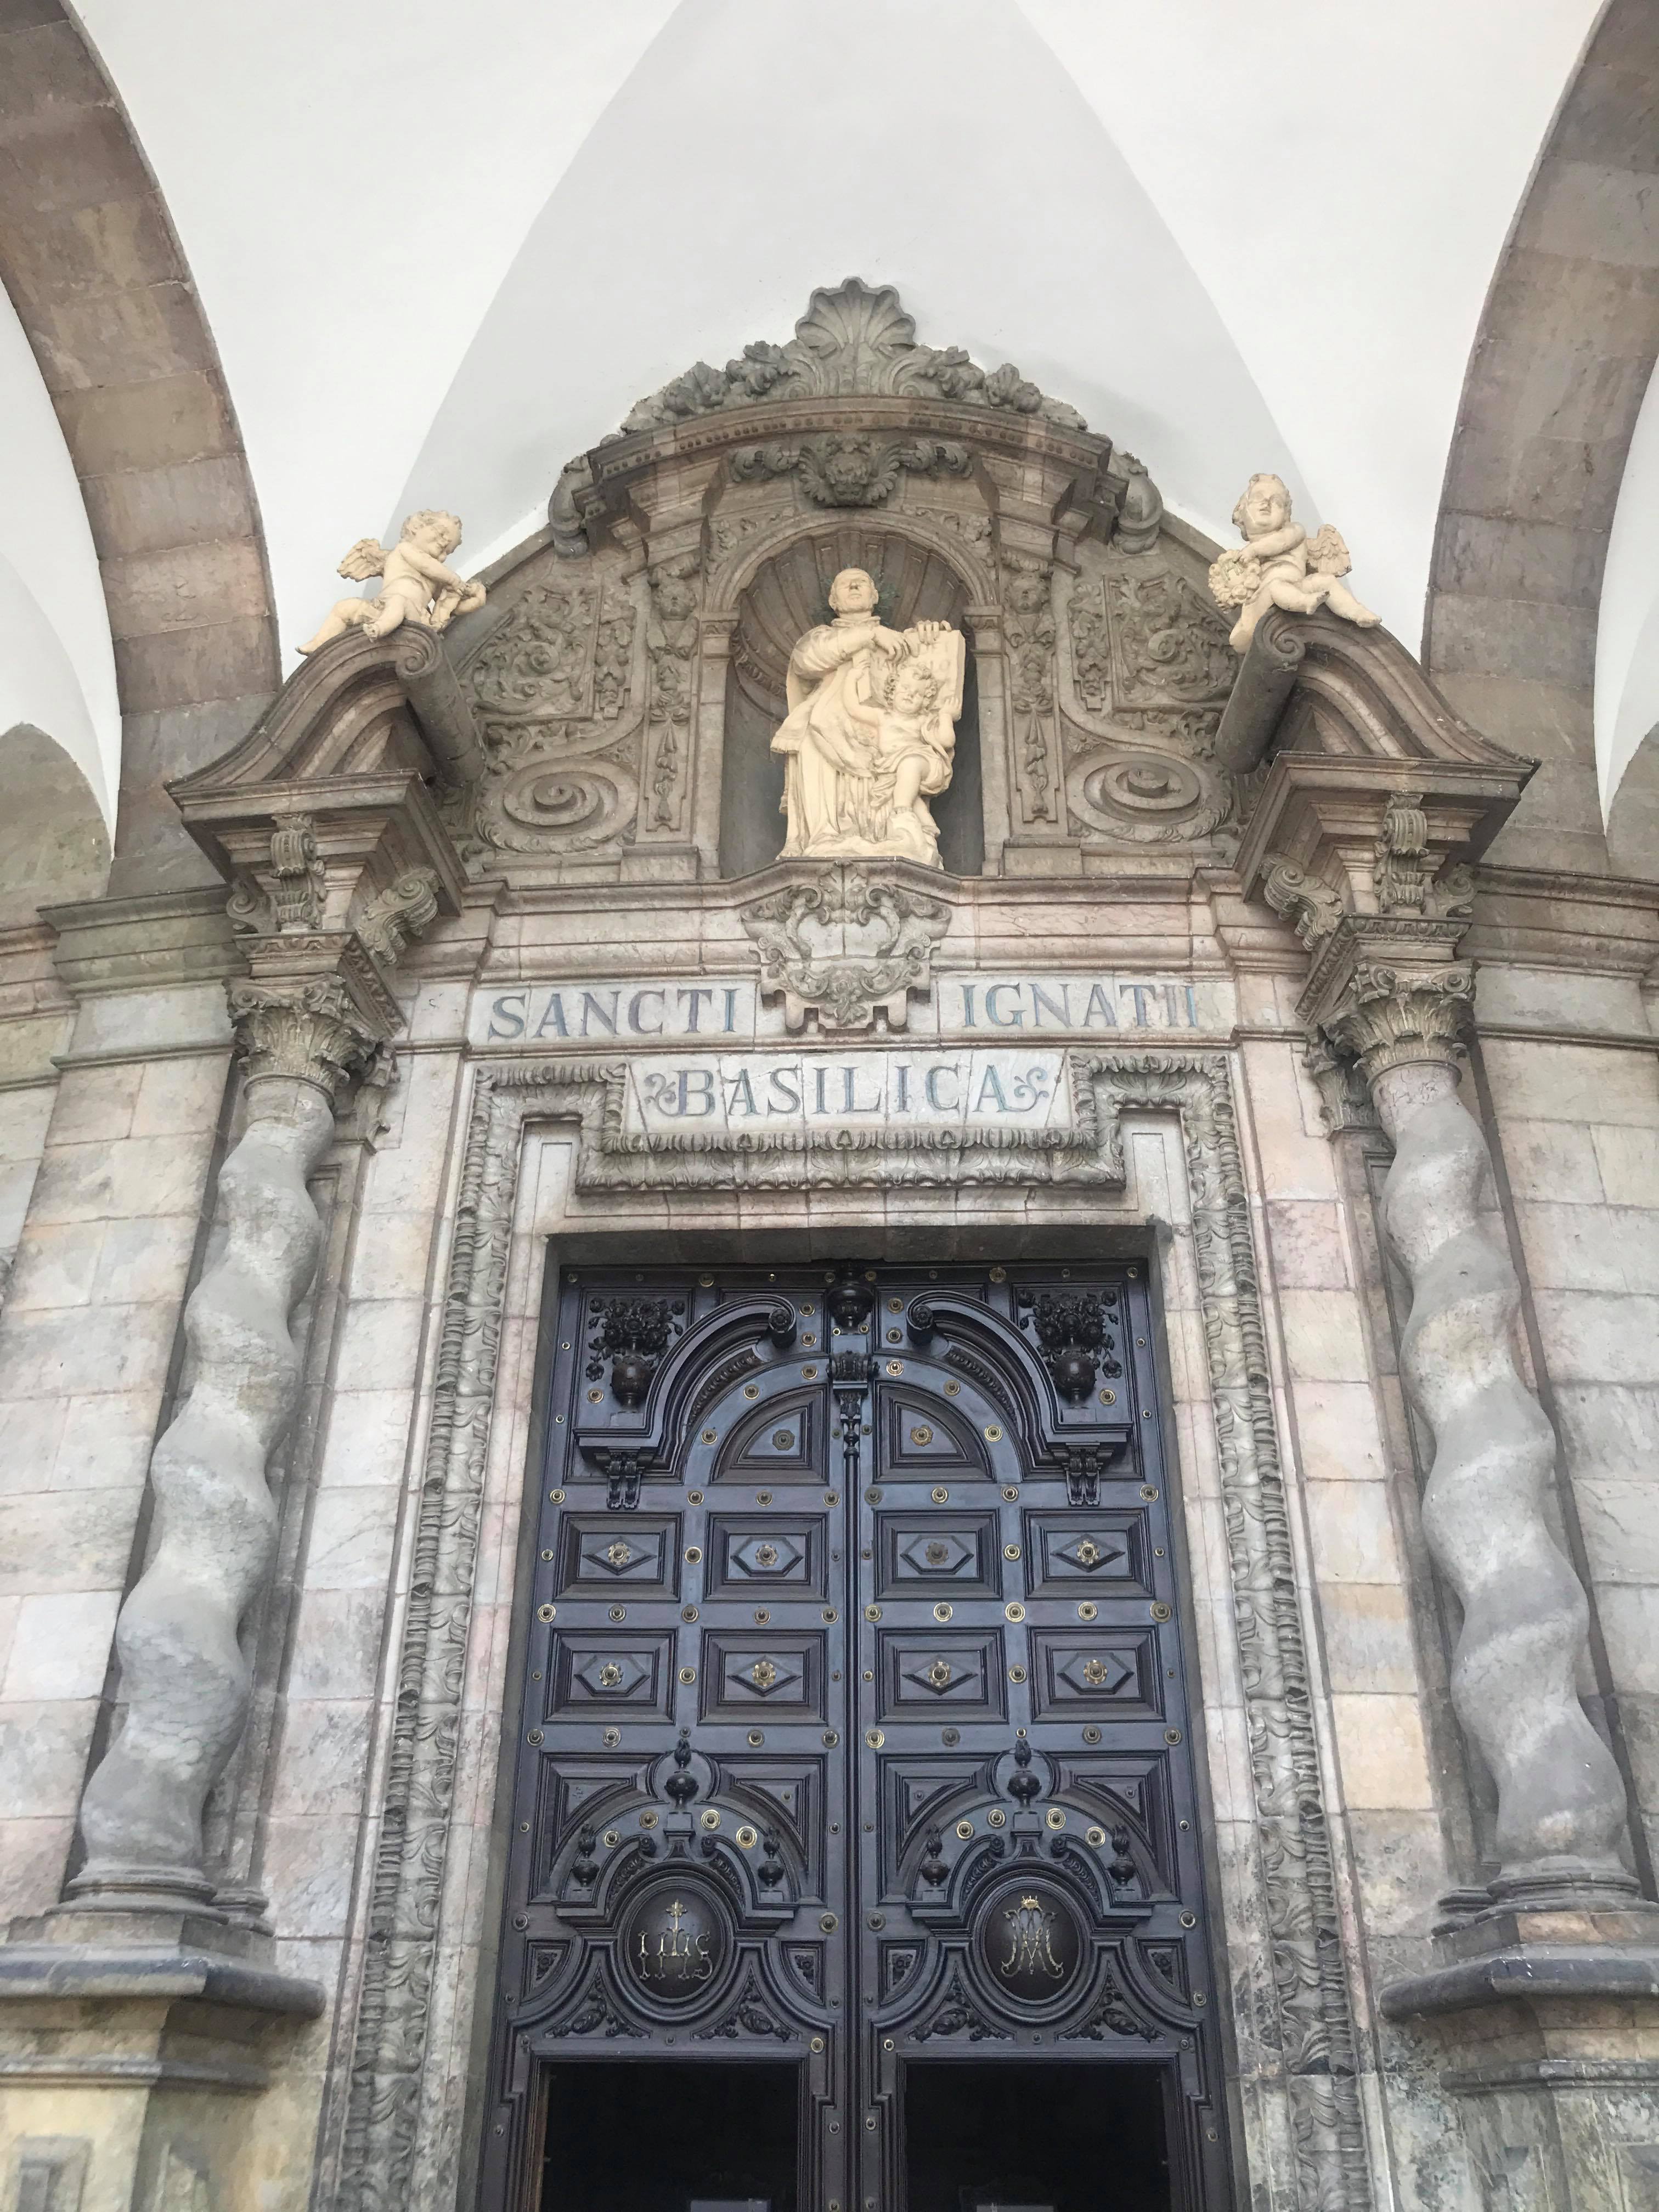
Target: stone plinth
1547,2029
127,2063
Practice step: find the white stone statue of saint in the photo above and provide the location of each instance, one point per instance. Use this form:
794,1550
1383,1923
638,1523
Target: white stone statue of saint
871,731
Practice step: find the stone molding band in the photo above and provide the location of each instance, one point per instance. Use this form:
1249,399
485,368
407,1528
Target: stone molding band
401,2142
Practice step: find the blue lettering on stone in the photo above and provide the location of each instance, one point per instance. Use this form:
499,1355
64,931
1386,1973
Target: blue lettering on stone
988,1086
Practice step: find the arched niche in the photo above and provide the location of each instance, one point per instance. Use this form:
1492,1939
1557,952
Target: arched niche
787,595
54,849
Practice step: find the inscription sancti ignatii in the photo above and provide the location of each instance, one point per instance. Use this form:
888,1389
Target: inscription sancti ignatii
724,1010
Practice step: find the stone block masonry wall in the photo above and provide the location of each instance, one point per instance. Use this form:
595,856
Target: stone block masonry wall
1578,1127
36,1022
87,1339
1378,1681
1355,1551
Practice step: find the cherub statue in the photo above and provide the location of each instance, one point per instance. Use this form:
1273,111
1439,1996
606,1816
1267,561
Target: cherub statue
419,587
913,745
1280,566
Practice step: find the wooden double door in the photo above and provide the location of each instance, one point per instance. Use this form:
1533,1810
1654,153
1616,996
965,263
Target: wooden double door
854,1737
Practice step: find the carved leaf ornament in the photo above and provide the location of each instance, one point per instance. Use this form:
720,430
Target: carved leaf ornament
857,338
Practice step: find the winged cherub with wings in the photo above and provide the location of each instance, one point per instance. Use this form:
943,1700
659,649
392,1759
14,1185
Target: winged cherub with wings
1279,565
419,587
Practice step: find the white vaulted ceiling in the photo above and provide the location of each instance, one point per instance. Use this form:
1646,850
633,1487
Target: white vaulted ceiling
443,256
442,253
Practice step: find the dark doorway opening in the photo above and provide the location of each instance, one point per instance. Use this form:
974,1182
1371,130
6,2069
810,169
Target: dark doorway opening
1072,2137
653,2136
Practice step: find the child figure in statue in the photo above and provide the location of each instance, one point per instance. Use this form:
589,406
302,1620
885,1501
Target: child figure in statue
906,727
841,799
1280,566
419,586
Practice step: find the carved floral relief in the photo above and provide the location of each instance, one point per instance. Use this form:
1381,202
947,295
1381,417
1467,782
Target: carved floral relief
1145,671
1029,632
561,705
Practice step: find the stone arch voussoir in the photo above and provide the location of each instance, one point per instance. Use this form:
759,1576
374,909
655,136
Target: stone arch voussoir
1566,344
89,258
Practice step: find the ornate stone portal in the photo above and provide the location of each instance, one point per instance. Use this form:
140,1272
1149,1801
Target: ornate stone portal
630,671
1015,629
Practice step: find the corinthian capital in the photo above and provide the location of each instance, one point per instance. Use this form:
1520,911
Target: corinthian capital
1391,1018
314,1030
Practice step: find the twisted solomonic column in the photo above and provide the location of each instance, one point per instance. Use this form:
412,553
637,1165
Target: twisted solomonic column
1561,1806
184,1683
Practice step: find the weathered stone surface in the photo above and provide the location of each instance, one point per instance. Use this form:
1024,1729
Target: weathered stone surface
89,260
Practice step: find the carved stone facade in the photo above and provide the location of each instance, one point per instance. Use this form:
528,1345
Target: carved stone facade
601,673
1218,979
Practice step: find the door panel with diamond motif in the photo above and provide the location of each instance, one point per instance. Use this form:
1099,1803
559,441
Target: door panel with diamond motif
854,1723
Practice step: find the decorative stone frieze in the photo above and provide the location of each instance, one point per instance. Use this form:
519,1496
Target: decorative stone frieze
846,469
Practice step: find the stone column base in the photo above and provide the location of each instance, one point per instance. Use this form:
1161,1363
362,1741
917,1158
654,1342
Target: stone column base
129,2069
1548,2026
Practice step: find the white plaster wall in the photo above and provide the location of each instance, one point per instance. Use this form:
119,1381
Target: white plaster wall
1341,181
57,663
1627,623
86,1338
350,196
